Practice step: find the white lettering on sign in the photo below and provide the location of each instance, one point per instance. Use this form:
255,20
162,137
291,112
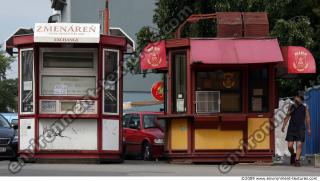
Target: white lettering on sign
66,33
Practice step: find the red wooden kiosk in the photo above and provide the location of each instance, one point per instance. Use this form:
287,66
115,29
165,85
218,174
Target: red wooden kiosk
70,92
221,92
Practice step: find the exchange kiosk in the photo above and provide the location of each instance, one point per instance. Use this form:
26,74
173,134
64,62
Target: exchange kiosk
70,92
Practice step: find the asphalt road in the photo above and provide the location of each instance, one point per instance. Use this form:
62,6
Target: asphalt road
161,168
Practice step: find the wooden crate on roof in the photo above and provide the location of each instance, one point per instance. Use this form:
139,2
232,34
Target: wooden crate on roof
229,24
256,24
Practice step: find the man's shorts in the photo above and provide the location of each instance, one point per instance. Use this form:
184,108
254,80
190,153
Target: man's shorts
296,136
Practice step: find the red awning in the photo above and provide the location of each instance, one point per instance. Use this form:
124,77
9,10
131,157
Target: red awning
235,51
153,56
298,60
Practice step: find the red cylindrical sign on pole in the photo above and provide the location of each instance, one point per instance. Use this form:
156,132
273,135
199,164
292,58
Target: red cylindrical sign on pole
157,91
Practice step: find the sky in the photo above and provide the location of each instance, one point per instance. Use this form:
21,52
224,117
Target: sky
16,14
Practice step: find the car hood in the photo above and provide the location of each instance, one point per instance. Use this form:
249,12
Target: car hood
7,132
156,132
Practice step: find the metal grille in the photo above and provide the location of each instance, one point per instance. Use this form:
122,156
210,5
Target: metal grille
207,102
4,141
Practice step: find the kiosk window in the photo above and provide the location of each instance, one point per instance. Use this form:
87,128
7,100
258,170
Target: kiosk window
111,81
179,82
27,73
227,83
68,72
258,90
68,60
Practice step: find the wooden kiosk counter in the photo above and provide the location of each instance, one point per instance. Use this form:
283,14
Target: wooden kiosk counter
70,100
221,92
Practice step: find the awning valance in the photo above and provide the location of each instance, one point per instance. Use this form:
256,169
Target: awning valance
153,56
235,51
298,60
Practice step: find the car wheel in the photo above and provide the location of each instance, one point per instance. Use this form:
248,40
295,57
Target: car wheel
147,152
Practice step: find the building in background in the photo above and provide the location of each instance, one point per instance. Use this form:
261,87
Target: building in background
126,18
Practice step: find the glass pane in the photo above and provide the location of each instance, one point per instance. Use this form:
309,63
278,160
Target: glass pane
230,102
149,121
179,82
65,106
68,86
4,123
125,121
258,90
111,82
135,122
27,81
228,83
68,60
218,80
48,106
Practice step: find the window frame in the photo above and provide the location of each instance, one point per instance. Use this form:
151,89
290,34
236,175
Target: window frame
21,81
173,90
68,72
104,81
266,91
222,91
72,68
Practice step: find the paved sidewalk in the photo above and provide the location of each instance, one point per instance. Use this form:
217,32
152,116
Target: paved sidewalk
161,168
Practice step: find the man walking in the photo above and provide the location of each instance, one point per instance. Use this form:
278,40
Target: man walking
299,117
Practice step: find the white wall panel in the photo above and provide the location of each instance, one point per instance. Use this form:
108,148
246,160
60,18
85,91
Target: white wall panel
110,135
27,134
79,135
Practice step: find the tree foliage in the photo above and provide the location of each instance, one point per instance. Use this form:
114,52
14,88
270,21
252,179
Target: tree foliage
5,63
8,95
8,87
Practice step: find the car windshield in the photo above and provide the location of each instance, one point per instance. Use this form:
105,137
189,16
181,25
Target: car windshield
4,123
149,121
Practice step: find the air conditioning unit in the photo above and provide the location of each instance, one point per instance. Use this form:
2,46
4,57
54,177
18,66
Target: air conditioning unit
207,102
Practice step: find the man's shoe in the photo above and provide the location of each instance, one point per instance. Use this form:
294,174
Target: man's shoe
293,159
297,163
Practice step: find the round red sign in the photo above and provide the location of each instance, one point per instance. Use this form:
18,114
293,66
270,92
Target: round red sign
157,91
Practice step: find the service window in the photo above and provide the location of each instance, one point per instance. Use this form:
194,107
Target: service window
26,81
258,90
218,91
67,85
179,82
111,82
72,60
68,72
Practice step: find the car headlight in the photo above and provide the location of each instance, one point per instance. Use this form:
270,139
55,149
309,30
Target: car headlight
158,141
15,139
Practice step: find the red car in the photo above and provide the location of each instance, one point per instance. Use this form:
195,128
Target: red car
144,135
